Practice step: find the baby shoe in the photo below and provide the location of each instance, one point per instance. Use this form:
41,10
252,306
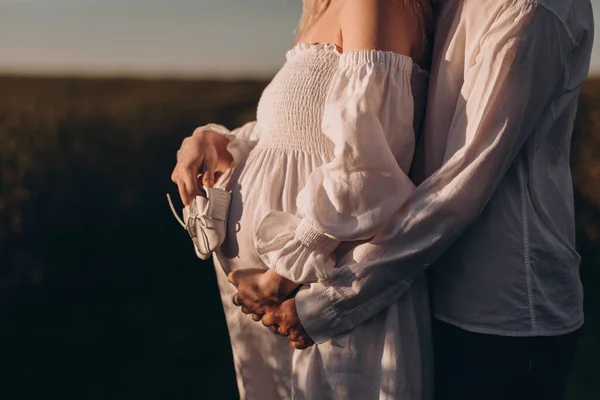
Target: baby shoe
205,219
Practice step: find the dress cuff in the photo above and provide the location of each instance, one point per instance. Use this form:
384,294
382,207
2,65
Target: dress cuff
315,240
294,249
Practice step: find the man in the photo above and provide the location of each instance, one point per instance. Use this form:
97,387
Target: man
495,214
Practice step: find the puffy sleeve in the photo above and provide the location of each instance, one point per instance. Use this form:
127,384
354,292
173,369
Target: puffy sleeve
241,140
368,116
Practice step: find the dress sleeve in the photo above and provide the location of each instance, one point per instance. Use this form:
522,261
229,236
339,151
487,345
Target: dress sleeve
368,116
241,140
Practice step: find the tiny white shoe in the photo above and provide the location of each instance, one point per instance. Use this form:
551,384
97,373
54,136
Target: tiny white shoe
205,219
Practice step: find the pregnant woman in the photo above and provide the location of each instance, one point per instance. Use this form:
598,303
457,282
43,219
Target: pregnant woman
324,167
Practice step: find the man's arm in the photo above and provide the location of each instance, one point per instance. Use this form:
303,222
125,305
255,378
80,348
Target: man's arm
520,66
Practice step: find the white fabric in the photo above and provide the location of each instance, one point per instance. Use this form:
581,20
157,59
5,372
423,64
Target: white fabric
262,360
498,195
368,117
322,108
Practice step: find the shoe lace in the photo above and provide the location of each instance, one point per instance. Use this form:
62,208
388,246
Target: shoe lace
189,226
175,212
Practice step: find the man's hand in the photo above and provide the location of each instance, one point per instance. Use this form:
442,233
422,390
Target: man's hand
284,321
205,152
259,290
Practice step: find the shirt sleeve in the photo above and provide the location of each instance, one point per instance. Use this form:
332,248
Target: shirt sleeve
368,116
520,66
241,140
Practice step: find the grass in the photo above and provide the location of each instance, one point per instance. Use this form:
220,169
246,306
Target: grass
101,295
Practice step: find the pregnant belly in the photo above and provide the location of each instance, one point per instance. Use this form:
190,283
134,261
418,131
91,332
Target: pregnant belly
268,180
237,251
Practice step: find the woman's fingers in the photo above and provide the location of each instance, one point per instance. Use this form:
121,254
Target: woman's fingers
189,158
183,194
187,183
203,152
256,317
249,290
236,299
209,167
233,277
190,181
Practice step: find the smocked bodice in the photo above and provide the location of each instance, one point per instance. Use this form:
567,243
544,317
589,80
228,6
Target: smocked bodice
290,111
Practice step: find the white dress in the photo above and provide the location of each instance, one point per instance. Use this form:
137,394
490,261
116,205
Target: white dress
325,162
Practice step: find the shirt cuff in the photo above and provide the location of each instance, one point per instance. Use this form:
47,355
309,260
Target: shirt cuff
318,315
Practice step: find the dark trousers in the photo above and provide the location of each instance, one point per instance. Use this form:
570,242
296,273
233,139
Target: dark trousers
473,366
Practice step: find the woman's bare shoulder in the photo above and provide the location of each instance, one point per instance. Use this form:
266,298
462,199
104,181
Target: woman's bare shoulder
379,25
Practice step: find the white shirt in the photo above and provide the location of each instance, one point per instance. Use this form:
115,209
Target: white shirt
495,214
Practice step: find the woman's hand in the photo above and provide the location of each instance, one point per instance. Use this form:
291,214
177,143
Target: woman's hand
205,152
259,290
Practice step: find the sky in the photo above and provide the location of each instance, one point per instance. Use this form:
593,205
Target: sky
190,38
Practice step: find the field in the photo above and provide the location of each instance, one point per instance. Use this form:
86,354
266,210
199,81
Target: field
101,296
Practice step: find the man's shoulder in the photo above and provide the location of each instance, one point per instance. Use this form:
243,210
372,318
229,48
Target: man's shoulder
574,15
570,13
560,8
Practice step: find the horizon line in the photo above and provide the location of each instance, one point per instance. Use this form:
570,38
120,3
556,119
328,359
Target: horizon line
154,75
131,74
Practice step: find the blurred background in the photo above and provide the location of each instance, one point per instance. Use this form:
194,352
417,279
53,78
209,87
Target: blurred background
101,295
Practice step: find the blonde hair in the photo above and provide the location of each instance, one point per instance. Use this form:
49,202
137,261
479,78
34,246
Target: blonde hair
421,11
311,11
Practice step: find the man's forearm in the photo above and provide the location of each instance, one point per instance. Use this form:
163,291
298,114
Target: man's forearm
521,63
